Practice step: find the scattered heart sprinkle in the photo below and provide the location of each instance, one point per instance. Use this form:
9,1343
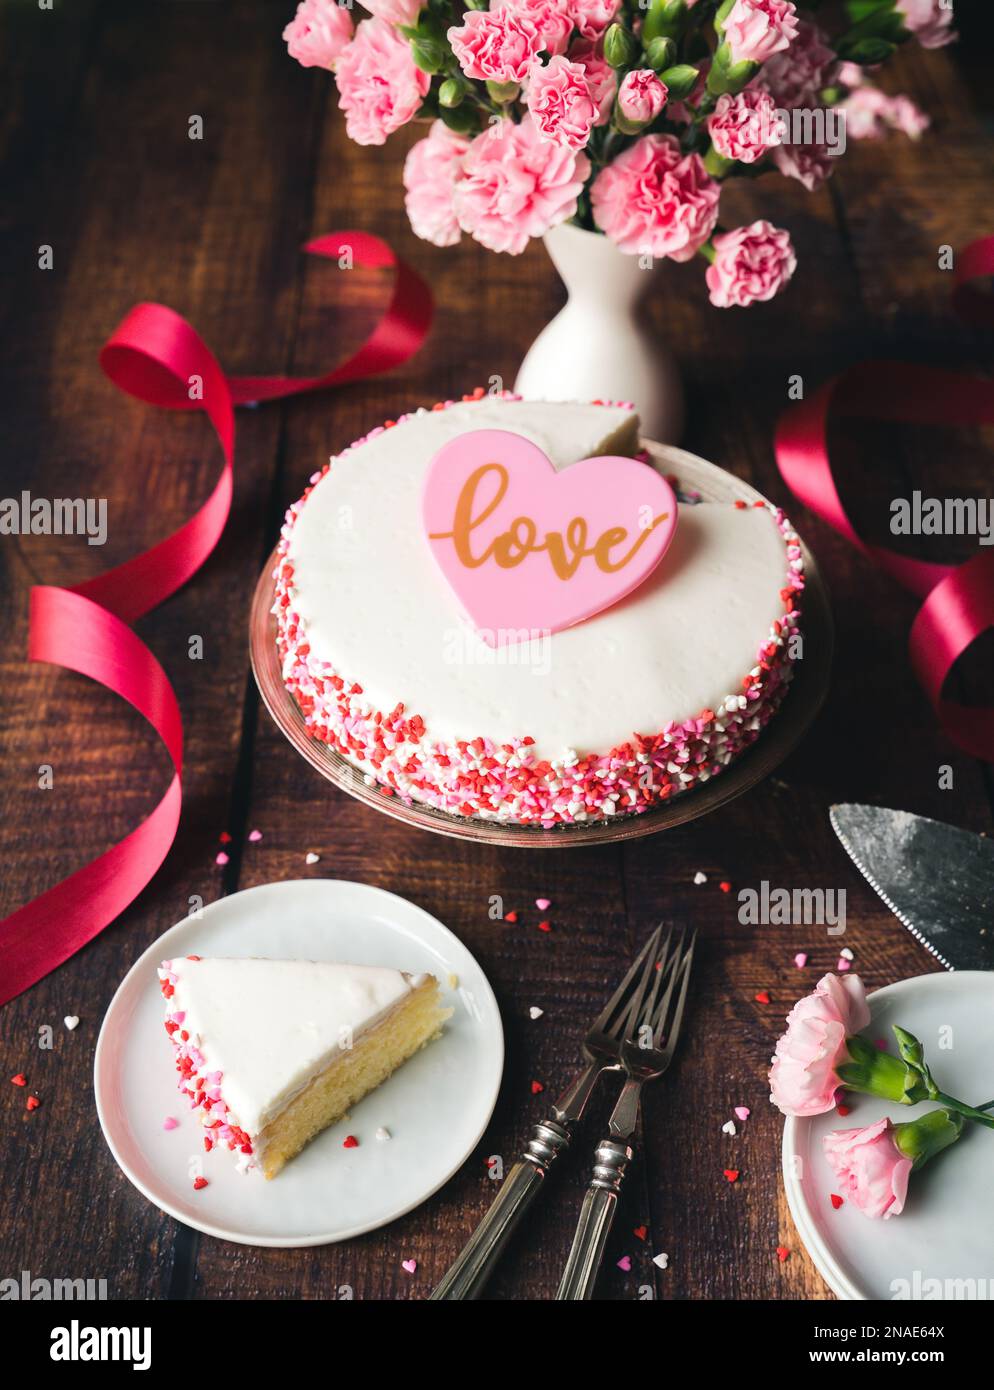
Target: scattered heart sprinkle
409,1265
700,878
199,1184
311,857
383,1134
255,836
543,904
224,837
661,1261
742,1112
221,858
170,1122
545,926
537,1088
782,1253
842,965
640,1232
535,1012
725,886
837,1201
510,916
20,1079
762,997
729,1127
71,1021
732,1174
33,1102
625,1263
843,1110
801,959
846,953
350,1142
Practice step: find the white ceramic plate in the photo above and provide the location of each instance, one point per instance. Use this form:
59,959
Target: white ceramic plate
436,1106
942,1244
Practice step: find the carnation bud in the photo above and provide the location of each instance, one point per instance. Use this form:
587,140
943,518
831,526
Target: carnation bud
680,80
932,1132
869,52
620,46
463,120
878,1073
428,54
451,93
726,76
664,20
502,92
659,54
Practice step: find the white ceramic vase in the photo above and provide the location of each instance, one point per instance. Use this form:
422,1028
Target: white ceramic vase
597,348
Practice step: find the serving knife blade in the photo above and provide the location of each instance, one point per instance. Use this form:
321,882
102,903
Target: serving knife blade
936,879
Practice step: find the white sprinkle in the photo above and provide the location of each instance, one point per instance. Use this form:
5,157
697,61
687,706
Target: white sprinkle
729,1127
535,1012
383,1134
700,878
661,1261
71,1021
845,953
311,858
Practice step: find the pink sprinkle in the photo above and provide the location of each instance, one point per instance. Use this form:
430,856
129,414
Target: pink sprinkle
801,959
843,965
742,1112
255,835
178,1016
409,1265
220,857
625,1263
170,1123
543,903
881,1043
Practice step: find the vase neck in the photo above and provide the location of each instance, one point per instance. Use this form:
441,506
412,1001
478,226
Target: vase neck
592,267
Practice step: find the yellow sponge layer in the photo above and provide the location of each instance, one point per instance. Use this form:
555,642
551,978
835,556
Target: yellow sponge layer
353,1074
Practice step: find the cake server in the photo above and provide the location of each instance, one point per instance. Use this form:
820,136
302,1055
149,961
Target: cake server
651,1035
602,1051
936,879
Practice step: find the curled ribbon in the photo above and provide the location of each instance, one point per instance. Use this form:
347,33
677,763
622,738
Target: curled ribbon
958,599
155,355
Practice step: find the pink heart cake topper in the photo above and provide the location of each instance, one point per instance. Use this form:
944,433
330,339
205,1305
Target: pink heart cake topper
527,549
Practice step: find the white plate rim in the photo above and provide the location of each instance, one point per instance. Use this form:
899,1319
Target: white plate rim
824,1260
321,1238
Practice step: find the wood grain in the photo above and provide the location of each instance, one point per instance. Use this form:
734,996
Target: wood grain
99,166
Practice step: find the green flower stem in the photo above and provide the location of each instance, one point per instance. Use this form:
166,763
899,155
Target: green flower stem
971,1112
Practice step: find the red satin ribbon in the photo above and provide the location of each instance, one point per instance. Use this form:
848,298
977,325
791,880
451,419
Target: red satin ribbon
158,357
959,599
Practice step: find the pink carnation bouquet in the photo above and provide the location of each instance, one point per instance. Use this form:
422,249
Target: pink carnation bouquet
624,117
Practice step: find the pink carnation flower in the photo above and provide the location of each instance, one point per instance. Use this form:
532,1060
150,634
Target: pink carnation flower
752,263
495,45
558,97
379,88
744,127
811,165
756,29
872,1171
641,96
797,75
515,185
929,20
551,19
870,113
601,76
803,1079
592,17
318,32
653,200
394,11
431,169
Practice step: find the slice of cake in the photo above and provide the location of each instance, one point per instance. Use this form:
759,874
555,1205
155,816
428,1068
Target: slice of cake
271,1052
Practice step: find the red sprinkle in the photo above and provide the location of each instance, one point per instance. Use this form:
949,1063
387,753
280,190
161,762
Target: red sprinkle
199,1184
762,997
732,1174
537,1087
640,1232
350,1142
782,1253
20,1079
224,837
842,1110
725,886
545,926
510,916
33,1102
837,1201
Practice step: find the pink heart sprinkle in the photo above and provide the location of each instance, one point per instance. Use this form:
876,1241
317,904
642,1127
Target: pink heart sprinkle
742,1112
170,1123
409,1265
843,965
255,835
543,903
625,1263
221,858
801,960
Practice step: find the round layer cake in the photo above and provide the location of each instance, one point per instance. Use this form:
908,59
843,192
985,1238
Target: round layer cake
640,702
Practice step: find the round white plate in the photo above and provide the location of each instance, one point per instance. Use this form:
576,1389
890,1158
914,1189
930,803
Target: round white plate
942,1244
436,1106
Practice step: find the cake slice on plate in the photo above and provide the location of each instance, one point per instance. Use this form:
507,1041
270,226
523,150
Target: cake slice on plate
271,1052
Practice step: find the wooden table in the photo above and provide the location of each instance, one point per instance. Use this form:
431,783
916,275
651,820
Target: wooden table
101,168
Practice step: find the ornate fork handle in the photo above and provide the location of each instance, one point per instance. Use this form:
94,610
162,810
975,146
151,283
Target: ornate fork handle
596,1217
472,1269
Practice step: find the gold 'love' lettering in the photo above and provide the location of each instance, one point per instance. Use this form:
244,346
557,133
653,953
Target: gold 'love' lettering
565,549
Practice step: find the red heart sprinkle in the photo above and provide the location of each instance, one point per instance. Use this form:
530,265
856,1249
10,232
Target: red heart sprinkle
33,1102
782,1253
224,837
510,916
762,997
641,1232
725,886
837,1201
20,1079
199,1184
842,1110
350,1142
545,926
732,1174
537,1087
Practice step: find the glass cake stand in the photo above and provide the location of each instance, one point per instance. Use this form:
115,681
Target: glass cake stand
801,704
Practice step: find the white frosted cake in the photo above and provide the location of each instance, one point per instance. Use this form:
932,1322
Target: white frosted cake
271,1052
645,699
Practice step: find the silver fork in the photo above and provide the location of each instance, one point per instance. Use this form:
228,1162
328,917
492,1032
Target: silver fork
652,1029
602,1049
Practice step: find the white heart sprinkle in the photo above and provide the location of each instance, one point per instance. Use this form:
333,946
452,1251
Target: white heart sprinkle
311,858
661,1261
70,1021
700,878
383,1134
729,1127
845,953
535,1011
